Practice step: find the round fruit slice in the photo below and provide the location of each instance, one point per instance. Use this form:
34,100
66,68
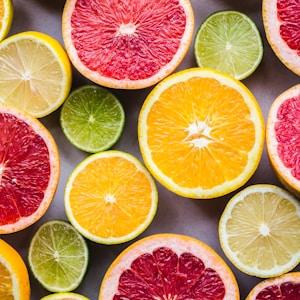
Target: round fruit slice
58,256
230,42
169,266
131,44
65,296
6,16
14,280
259,231
92,119
282,25
283,138
35,73
210,125
29,170
286,287
111,198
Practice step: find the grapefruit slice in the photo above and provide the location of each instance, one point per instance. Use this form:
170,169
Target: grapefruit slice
283,138
169,266
29,170
286,287
282,26
130,44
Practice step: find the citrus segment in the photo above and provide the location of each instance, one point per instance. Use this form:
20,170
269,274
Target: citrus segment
133,44
110,197
169,266
258,231
65,296
6,15
210,125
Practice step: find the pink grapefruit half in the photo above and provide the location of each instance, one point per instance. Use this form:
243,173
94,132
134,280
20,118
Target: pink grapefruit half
282,26
169,266
130,44
29,170
283,138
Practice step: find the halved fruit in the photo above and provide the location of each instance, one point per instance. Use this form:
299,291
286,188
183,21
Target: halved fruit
282,25
29,170
286,287
259,231
110,198
201,133
129,44
65,296
14,280
6,16
169,266
283,138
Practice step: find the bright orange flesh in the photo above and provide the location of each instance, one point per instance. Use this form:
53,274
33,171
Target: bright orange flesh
6,285
1,12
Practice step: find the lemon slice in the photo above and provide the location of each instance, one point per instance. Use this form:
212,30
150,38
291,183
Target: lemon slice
35,73
6,15
259,231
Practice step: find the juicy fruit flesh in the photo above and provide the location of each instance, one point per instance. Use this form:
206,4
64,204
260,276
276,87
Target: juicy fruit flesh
24,169
127,39
207,131
288,12
1,13
165,275
285,291
6,285
287,129
259,229
111,197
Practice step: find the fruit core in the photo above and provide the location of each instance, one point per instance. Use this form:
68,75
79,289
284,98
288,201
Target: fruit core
109,198
198,134
285,291
264,230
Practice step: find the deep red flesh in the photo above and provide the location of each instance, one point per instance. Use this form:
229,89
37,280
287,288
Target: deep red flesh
289,16
287,130
165,276
285,291
24,169
160,25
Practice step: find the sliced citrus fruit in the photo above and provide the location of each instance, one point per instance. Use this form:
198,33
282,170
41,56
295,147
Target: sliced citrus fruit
65,296
129,45
14,280
210,125
230,42
282,26
35,73
58,256
29,170
283,138
92,119
6,16
110,198
169,266
259,231
286,287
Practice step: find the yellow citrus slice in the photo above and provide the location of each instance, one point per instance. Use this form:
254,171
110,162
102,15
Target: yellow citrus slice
65,296
259,231
110,198
14,280
35,73
201,133
6,16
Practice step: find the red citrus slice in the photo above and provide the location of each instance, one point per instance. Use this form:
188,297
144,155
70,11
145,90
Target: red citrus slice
283,137
29,170
282,25
128,44
169,267
286,287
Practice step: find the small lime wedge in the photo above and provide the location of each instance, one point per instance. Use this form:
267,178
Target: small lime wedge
92,119
64,296
229,42
58,256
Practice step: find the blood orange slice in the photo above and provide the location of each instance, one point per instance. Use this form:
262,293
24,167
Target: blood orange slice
283,137
29,170
169,267
286,287
282,25
127,44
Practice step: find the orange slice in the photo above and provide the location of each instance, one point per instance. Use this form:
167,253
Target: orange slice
110,198
201,133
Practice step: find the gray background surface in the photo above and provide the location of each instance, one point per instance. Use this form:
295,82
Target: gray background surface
175,214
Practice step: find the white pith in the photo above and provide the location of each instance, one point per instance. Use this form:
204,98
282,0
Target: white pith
127,29
109,198
198,134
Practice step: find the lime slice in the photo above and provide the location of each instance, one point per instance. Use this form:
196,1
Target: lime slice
230,42
64,296
92,119
58,256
